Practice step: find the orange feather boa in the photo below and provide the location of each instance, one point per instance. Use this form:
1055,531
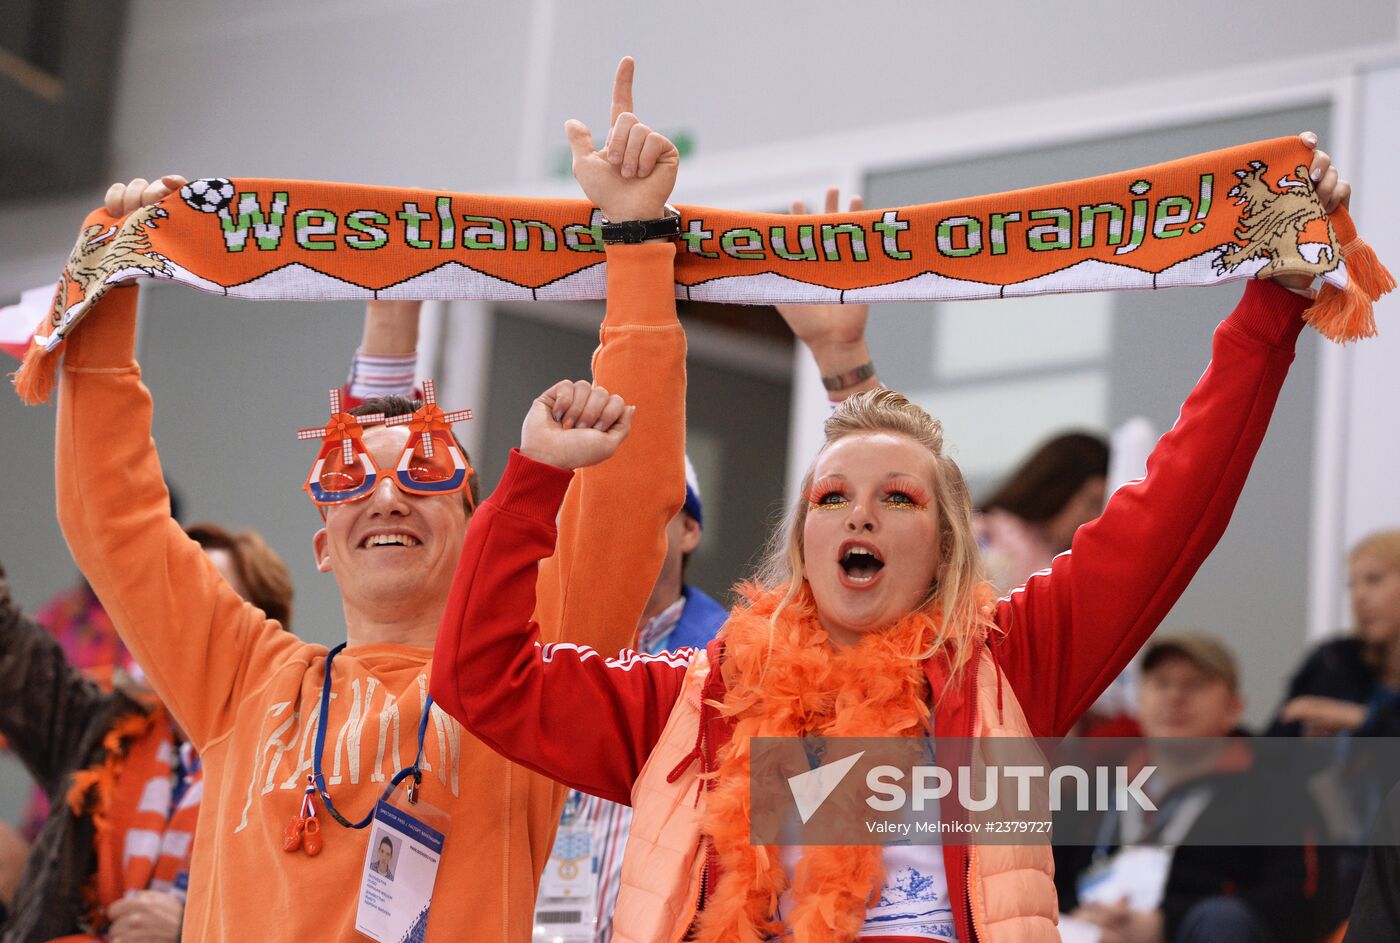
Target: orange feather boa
785,679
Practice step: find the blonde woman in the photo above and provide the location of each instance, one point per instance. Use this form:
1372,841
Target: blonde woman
1351,685
869,617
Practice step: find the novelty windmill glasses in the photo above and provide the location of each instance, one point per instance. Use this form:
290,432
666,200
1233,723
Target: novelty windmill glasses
430,463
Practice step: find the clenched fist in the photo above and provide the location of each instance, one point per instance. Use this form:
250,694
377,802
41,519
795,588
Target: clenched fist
575,424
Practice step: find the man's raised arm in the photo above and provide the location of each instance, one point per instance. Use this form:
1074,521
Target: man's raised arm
195,638
612,526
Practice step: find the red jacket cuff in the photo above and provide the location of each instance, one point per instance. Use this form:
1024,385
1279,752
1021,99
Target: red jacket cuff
532,489
1269,313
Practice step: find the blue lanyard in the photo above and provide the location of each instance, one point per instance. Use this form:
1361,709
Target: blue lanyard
1160,821
184,775
415,770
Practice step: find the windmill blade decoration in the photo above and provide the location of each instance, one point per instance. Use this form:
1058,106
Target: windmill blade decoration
339,428
354,474
429,418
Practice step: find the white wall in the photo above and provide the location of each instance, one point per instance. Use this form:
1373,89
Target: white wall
1372,369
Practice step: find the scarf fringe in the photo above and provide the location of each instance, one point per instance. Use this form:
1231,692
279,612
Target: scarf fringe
34,380
1366,269
1348,314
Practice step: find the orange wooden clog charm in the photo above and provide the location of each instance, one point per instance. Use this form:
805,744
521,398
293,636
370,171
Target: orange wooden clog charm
312,844
292,837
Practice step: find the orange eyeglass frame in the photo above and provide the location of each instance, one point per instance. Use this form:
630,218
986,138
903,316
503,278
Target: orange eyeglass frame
430,463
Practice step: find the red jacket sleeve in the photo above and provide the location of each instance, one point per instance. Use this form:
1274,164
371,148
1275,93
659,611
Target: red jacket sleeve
1070,630
566,711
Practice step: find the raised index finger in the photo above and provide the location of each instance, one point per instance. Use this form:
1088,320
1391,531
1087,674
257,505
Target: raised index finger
622,89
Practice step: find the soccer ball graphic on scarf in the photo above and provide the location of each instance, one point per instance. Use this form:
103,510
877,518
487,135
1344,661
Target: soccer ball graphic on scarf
208,195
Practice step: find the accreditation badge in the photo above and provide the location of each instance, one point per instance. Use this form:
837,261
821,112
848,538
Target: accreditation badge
567,901
1137,874
401,864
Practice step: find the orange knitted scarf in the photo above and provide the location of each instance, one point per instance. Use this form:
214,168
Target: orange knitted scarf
1201,220
785,679
140,844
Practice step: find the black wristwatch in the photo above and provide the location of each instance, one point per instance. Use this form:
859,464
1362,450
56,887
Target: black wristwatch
631,231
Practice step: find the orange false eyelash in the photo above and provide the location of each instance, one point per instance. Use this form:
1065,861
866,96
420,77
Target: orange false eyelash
824,489
918,498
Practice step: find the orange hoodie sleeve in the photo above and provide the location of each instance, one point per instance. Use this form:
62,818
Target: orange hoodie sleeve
612,527
197,641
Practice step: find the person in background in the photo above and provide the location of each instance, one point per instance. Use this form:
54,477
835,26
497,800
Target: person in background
14,852
81,626
1351,685
1032,517
1179,888
1375,913
109,863
677,615
834,335
250,566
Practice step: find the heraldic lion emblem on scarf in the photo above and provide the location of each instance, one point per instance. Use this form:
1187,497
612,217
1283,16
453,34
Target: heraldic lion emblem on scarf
1272,223
102,252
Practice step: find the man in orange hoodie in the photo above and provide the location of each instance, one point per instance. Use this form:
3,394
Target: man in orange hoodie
249,695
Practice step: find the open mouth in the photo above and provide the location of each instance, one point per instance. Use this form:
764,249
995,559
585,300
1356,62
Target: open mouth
860,563
389,540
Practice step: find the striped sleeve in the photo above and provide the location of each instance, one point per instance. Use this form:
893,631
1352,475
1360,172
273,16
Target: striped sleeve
373,375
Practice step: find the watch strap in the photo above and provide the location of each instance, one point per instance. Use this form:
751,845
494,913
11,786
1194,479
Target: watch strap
849,378
630,231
